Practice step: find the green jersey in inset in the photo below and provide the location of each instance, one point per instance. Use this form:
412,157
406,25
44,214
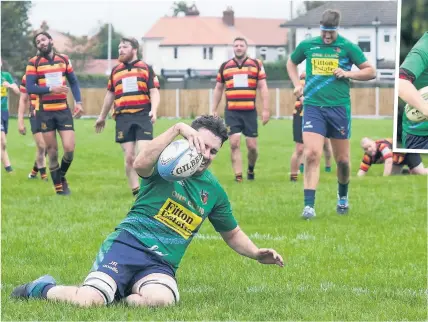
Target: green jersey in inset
167,215
416,63
5,77
322,88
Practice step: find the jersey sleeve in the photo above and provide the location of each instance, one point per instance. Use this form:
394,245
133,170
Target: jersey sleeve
151,79
298,55
9,78
262,74
386,151
416,61
221,216
356,54
366,163
110,85
220,78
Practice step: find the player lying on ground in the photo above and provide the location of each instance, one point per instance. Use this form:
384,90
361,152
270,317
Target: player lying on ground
138,261
380,152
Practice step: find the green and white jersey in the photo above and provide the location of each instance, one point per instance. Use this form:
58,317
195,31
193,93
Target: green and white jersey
5,77
167,215
416,63
322,88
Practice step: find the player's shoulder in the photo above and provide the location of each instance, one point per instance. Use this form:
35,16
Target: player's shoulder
209,177
117,68
310,42
33,59
63,57
345,42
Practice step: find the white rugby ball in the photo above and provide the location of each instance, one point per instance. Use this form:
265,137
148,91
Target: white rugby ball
178,162
413,114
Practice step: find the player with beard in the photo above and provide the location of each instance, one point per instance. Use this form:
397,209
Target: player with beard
241,77
327,104
46,76
133,88
139,260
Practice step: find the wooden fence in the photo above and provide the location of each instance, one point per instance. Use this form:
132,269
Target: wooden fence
185,103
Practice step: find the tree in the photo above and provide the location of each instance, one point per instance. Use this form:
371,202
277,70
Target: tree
16,37
182,7
100,50
413,24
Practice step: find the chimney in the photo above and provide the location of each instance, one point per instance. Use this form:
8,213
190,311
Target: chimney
229,17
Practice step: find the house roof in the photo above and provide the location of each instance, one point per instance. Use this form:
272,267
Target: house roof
353,14
212,31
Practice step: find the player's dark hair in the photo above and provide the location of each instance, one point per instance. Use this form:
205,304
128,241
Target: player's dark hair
215,124
241,39
41,33
132,41
330,18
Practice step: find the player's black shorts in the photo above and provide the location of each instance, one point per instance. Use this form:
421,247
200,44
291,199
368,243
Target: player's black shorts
412,160
34,124
55,120
4,121
415,141
241,121
297,128
133,127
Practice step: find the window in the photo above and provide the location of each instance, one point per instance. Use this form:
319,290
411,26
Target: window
263,52
263,56
365,44
281,53
308,36
208,53
175,52
386,37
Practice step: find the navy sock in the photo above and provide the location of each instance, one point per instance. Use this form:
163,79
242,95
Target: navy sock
343,189
309,195
327,169
301,167
251,168
8,168
45,290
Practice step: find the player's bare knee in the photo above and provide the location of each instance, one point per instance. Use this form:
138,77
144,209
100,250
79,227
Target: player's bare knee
343,166
87,296
157,290
312,156
68,155
99,288
129,160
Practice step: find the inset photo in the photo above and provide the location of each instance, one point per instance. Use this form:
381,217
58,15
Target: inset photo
411,108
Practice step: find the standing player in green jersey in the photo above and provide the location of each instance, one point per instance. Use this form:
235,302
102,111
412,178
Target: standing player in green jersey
138,261
414,76
6,84
326,103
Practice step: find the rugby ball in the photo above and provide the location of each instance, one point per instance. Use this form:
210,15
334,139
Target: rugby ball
413,114
178,162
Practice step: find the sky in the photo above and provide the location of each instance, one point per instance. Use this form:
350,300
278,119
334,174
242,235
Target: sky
135,18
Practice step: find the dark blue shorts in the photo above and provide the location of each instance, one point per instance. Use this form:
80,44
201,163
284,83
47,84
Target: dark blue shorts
329,121
415,142
4,121
126,261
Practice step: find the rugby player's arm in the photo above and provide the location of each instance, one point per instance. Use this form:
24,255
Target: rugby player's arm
293,73
361,173
218,92
33,88
154,99
240,242
387,170
262,86
366,72
107,104
408,92
14,88
24,101
74,85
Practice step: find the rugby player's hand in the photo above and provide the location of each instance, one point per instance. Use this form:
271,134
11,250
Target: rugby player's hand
59,89
99,125
6,84
194,137
265,116
21,126
340,73
269,256
78,110
153,117
298,91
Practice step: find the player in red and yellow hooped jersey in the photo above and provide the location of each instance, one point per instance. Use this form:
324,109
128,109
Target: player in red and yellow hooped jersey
46,75
241,77
32,101
380,152
133,88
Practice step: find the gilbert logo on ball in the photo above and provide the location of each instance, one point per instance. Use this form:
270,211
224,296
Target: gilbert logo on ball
412,113
178,161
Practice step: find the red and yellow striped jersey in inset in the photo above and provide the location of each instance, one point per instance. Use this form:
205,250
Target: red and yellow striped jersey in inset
131,84
34,99
383,152
298,106
50,73
241,82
